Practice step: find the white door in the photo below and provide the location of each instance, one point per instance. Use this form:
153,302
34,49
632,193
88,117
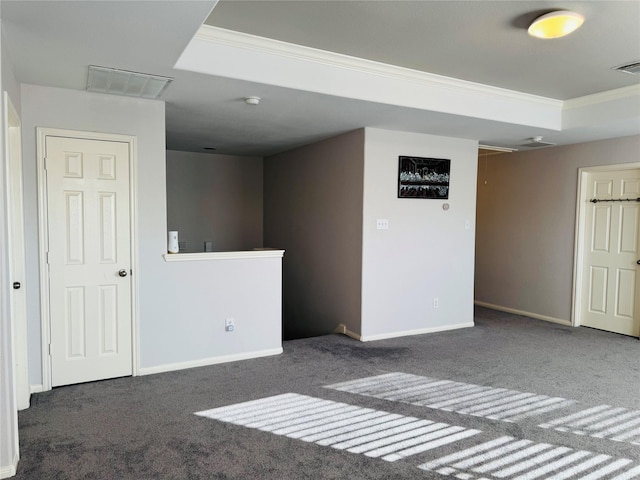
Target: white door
18,301
612,230
87,184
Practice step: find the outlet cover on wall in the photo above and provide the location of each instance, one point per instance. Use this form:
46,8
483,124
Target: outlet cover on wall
229,325
382,224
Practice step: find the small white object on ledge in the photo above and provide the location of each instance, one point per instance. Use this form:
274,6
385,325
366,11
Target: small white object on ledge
172,242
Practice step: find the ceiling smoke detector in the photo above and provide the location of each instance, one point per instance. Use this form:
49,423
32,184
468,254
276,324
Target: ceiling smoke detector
252,100
631,68
537,142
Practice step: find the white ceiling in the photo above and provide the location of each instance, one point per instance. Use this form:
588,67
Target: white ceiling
52,43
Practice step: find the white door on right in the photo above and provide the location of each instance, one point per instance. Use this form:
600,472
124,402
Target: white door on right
611,300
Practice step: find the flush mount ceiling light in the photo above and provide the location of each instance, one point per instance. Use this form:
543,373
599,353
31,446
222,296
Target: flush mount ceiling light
123,82
555,24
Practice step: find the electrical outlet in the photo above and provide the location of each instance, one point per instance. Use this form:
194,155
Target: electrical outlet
382,224
436,303
229,325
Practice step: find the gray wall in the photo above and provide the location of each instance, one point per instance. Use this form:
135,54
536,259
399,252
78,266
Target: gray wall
526,223
8,407
216,198
313,210
427,252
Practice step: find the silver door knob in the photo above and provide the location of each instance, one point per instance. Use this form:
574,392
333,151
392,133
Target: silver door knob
122,273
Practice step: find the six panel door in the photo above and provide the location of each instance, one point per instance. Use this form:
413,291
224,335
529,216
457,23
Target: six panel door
610,295
89,259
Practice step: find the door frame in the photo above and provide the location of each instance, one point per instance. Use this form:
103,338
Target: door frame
579,250
45,314
13,155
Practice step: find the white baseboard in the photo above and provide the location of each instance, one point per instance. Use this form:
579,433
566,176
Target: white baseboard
7,471
523,313
209,361
419,331
342,328
36,389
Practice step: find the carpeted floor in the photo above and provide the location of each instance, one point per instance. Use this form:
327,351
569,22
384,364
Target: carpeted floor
510,398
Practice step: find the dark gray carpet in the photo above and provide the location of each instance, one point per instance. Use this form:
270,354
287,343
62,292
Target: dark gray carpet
145,427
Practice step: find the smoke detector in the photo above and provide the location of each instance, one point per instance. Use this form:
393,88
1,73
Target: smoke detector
537,142
252,100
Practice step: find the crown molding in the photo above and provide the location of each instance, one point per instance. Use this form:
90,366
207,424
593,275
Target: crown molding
269,46
632,91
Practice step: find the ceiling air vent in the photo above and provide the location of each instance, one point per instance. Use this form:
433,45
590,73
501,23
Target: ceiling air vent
537,142
123,82
632,68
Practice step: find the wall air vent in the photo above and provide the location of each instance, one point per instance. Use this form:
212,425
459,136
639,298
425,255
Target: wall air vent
123,82
632,68
537,142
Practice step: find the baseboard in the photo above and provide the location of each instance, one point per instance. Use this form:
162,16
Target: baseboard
342,328
523,313
36,389
170,367
7,471
419,331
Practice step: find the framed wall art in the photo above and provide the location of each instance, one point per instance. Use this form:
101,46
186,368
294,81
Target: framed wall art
420,177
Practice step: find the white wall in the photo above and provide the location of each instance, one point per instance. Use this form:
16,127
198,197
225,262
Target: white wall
215,198
427,252
204,294
68,109
9,453
526,224
169,325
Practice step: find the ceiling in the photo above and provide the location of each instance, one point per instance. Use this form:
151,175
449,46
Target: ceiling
52,43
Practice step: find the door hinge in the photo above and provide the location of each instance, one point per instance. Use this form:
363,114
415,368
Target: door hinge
46,161
49,349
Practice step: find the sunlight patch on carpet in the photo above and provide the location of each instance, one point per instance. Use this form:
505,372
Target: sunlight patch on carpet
487,402
374,433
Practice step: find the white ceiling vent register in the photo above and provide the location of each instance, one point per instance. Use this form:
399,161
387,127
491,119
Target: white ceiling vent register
537,142
632,68
123,82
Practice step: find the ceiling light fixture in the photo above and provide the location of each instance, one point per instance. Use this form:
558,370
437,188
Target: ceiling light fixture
556,24
123,82
252,100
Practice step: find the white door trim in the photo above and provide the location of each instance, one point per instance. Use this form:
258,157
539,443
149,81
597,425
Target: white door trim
13,155
42,134
581,212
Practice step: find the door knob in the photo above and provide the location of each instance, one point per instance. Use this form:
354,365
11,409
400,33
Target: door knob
122,273
638,262
16,285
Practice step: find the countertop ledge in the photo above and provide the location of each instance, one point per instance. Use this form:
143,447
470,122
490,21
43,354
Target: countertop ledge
239,255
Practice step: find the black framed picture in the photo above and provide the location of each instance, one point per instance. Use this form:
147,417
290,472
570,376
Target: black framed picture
420,177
